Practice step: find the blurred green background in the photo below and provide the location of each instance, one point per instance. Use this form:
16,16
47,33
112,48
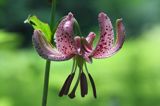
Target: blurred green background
129,78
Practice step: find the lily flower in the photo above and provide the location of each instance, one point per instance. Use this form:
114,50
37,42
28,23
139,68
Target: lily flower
69,45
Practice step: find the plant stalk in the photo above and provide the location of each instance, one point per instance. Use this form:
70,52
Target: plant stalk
48,62
46,83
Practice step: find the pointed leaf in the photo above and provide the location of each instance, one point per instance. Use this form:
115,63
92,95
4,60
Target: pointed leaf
39,25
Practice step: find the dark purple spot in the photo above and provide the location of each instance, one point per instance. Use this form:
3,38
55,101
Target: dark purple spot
109,34
105,43
105,33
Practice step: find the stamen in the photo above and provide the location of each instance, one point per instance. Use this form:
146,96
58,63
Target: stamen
66,85
93,85
65,88
92,81
72,94
83,84
86,68
74,66
69,84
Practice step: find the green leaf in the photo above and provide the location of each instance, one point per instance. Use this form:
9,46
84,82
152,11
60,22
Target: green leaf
39,25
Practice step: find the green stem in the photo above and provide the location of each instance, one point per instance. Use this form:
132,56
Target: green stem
86,68
73,66
77,82
53,11
77,28
46,82
48,62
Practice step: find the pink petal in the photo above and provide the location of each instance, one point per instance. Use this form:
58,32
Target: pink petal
90,38
119,41
87,50
120,36
77,40
83,47
64,36
86,46
106,36
45,49
88,59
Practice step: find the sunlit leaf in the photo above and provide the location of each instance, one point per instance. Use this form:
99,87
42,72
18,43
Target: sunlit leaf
39,25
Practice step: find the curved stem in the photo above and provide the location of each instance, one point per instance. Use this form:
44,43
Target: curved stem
77,28
73,66
86,68
48,62
77,82
72,94
92,81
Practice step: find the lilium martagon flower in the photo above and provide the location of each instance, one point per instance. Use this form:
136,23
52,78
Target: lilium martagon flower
69,45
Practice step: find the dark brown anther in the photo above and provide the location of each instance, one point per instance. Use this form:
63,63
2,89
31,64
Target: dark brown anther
72,94
65,88
93,85
69,84
83,84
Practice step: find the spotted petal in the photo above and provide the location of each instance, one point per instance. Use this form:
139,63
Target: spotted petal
64,36
45,49
87,50
120,37
105,42
90,38
119,41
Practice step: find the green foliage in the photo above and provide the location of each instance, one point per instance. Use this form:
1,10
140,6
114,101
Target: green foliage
9,40
136,14
39,25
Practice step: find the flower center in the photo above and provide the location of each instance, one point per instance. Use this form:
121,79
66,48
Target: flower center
84,49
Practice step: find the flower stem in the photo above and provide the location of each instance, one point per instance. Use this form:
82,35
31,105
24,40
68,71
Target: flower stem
46,82
77,28
48,62
53,11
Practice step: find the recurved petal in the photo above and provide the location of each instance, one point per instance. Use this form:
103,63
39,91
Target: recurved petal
120,36
78,44
119,41
45,49
105,42
90,38
64,37
86,46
